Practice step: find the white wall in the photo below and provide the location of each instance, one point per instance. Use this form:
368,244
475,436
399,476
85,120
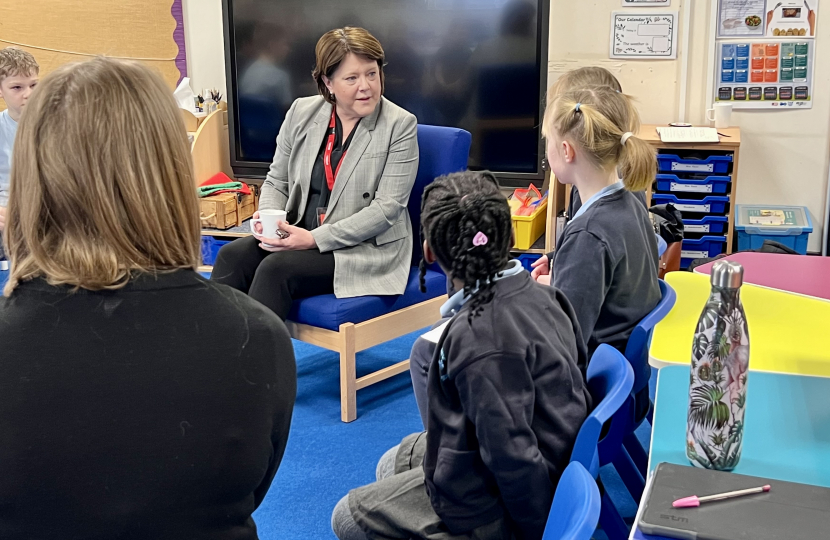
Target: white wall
784,155
205,44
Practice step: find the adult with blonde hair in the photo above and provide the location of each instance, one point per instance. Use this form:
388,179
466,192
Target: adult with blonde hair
606,259
139,399
343,170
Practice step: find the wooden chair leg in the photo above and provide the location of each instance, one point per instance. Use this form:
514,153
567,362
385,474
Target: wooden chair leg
348,373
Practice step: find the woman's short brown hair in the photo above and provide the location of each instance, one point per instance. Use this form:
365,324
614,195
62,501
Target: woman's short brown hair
335,45
102,184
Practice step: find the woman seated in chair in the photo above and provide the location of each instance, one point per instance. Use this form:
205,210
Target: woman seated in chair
139,399
344,166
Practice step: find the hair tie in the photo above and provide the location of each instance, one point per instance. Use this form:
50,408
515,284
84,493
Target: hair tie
480,239
578,105
625,137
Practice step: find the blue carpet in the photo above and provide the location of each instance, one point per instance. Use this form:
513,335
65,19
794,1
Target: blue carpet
325,457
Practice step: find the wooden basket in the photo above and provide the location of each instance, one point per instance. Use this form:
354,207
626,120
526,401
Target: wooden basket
227,210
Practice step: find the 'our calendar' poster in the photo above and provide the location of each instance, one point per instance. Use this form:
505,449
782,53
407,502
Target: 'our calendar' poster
644,35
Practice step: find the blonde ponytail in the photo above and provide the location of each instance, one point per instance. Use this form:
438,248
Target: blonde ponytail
638,164
602,121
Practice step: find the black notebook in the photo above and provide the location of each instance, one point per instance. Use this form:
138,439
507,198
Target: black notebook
789,511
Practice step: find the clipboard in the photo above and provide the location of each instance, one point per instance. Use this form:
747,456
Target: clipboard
788,511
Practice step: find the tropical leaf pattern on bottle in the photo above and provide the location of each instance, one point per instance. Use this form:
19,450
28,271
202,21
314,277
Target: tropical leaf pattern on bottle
717,383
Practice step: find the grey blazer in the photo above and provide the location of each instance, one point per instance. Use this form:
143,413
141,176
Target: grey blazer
367,224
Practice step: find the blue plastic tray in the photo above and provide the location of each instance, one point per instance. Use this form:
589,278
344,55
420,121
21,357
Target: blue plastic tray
210,247
710,165
709,224
703,248
713,204
708,184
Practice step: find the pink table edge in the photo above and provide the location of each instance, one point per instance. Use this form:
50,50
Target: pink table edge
815,284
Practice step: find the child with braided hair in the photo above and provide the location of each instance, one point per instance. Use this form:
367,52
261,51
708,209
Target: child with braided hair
606,260
506,390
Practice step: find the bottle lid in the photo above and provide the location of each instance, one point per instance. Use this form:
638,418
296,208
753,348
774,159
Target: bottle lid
727,275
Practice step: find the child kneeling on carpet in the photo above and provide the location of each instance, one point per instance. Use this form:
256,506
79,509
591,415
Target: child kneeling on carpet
507,395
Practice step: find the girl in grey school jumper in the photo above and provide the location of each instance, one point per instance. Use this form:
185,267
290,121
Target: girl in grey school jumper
506,391
606,260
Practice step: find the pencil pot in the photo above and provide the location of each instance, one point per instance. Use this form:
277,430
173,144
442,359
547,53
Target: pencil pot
719,372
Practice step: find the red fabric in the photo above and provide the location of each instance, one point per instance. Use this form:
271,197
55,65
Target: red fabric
222,178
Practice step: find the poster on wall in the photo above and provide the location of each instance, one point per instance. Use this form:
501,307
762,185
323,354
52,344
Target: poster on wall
770,18
644,35
765,53
646,3
765,74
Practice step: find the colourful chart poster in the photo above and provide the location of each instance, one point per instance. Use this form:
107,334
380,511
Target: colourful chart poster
765,74
765,53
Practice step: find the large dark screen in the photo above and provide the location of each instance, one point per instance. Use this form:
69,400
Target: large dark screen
473,64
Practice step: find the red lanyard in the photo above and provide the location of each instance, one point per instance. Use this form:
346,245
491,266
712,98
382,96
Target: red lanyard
327,154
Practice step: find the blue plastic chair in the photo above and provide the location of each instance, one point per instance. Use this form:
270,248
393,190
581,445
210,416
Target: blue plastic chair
610,381
351,325
662,246
636,351
574,513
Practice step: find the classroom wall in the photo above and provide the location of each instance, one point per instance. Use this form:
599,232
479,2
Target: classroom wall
57,32
784,155
205,43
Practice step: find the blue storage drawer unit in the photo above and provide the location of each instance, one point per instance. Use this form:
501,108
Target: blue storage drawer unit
788,225
713,204
711,165
703,248
700,184
709,224
210,247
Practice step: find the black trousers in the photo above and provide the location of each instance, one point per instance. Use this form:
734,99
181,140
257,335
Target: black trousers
274,279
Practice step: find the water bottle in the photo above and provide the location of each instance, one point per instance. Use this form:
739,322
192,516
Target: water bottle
719,371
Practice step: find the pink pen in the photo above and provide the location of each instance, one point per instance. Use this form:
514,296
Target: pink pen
694,500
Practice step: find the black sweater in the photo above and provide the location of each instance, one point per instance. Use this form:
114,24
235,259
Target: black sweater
506,400
606,264
160,410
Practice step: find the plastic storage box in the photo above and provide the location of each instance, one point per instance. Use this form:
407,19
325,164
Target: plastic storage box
713,204
700,184
527,260
529,228
711,165
210,247
756,223
703,248
709,224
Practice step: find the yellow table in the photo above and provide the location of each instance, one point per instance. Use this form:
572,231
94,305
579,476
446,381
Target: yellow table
788,333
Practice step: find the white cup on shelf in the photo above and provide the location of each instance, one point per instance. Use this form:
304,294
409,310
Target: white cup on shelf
720,114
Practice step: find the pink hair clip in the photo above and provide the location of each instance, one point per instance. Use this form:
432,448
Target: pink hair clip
480,239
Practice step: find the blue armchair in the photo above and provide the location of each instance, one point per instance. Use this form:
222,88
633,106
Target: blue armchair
351,325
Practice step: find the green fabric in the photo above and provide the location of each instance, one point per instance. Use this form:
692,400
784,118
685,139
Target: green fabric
204,191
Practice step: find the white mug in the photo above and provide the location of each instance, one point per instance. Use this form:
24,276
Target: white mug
269,219
721,115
